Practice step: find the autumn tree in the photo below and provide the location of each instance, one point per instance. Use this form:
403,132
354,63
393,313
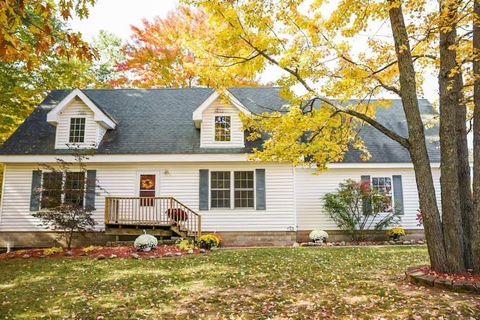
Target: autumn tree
318,50
175,52
30,30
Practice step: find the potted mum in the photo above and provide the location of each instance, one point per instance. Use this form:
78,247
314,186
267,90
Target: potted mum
396,234
318,236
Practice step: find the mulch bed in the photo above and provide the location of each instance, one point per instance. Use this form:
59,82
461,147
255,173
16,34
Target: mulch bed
100,253
423,275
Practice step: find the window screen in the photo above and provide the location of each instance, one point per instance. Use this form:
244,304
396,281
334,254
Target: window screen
244,190
77,130
222,128
74,188
220,190
51,189
384,186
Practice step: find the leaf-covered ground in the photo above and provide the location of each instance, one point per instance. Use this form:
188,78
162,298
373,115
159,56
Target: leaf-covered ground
299,283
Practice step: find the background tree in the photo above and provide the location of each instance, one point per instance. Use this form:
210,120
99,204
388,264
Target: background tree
109,54
174,52
29,30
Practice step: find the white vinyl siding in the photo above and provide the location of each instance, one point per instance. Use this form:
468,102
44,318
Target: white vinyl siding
181,180
207,131
310,189
93,131
178,180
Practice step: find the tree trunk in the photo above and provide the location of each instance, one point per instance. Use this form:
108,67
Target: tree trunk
451,211
476,141
464,177
418,148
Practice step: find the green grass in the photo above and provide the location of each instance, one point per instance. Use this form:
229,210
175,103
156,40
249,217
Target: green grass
300,283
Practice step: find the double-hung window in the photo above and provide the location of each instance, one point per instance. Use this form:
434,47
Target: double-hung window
228,185
223,128
220,190
384,186
244,189
51,189
74,188
59,187
77,130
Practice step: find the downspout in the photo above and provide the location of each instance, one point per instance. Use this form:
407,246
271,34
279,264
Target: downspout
295,203
3,192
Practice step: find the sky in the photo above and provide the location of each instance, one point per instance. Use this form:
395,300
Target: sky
116,16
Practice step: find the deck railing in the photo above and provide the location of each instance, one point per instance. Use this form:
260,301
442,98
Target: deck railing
152,211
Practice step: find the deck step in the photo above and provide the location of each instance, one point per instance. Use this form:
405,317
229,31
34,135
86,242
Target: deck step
125,243
135,231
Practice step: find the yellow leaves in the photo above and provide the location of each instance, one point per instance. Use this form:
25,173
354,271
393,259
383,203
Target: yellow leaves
300,136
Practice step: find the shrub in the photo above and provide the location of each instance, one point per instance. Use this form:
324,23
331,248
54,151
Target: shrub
186,245
318,235
90,249
209,241
356,208
145,242
396,233
68,219
20,252
52,250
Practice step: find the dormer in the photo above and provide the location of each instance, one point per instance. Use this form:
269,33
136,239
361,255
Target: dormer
218,119
79,122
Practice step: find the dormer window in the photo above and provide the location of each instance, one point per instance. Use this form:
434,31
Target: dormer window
77,130
222,128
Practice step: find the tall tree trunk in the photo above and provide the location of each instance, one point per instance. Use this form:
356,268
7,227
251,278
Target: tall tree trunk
476,140
451,211
418,148
464,177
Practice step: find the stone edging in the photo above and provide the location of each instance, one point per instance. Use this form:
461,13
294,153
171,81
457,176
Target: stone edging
417,275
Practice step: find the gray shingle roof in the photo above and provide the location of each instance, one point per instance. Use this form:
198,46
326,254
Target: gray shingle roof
159,121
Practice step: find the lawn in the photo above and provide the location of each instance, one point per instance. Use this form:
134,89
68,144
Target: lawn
299,283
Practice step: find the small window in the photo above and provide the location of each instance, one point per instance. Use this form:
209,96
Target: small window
244,192
222,128
220,190
51,190
77,130
147,189
74,188
384,186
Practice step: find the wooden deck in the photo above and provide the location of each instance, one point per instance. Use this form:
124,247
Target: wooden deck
162,216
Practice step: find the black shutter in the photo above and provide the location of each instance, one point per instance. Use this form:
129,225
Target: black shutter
260,189
90,189
367,203
35,194
203,190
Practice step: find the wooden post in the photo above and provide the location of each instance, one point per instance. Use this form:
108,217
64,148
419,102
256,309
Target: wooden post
107,210
199,226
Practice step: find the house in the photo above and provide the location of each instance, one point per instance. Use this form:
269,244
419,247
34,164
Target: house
186,149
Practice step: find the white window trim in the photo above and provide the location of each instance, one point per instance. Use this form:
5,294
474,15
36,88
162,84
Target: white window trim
393,198
253,189
64,179
84,129
215,129
232,190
